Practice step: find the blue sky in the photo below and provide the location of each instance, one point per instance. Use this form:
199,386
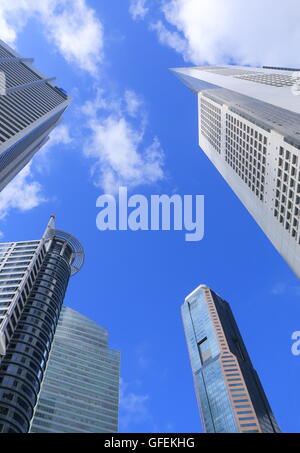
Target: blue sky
132,123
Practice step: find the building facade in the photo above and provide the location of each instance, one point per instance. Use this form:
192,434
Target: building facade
79,395
31,106
34,276
249,127
230,396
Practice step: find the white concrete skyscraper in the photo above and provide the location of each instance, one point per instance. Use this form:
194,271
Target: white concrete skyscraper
31,105
249,127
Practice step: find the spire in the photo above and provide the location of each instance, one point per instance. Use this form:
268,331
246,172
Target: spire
189,76
50,226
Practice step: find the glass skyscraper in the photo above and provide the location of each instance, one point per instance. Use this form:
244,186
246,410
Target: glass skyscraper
249,127
31,106
230,396
80,390
34,276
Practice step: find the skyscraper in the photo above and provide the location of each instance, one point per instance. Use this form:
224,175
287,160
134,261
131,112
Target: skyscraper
249,127
34,276
80,395
30,107
230,396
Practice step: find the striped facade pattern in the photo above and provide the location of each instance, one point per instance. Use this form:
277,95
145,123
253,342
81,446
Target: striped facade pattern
80,391
34,276
232,374
19,266
30,108
229,393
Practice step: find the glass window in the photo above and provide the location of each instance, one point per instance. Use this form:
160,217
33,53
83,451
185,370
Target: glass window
204,350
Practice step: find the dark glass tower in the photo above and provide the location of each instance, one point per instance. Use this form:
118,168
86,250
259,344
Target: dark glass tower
230,396
34,276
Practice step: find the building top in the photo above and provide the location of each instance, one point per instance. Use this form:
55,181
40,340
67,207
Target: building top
20,263
202,286
11,56
77,250
274,86
264,115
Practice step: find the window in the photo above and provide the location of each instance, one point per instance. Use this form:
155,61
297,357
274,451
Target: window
211,123
19,419
244,157
286,199
8,396
204,350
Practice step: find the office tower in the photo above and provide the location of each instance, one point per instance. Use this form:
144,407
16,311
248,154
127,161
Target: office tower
80,390
249,127
34,276
30,108
229,393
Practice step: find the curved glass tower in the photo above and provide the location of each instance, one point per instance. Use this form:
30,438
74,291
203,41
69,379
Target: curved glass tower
79,395
230,396
34,276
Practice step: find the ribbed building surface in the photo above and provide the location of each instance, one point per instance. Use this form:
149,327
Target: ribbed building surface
80,390
30,107
230,396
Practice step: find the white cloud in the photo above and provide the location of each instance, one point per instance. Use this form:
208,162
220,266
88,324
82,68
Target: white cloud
59,136
22,193
117,144
133,407
279,288
91,108
282,288
217,31
142,355
170,38
133,102
71,25
138,9
7,32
